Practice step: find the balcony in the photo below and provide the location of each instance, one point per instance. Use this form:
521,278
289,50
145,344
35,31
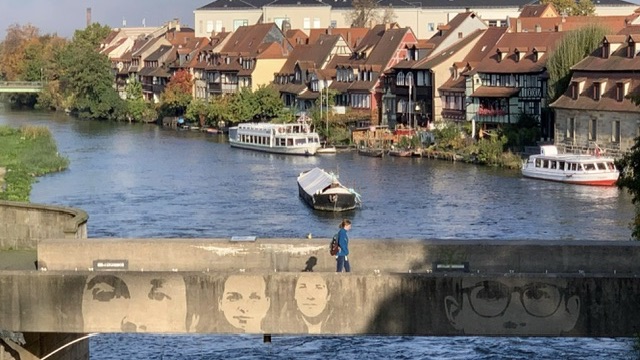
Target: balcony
482,111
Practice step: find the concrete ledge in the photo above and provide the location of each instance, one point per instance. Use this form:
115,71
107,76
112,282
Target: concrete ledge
25,224
367,255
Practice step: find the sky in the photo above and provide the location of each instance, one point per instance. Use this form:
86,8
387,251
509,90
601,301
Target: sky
63,17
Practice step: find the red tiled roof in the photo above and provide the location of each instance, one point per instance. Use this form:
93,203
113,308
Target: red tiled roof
527,64
608,101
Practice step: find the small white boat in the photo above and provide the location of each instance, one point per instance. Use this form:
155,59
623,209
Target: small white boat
326,150
289,139
583,169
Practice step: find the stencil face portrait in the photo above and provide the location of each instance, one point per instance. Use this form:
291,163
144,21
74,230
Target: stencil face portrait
244,302
513,307
311,295
134,304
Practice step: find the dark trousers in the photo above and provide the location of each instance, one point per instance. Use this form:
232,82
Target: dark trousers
343,261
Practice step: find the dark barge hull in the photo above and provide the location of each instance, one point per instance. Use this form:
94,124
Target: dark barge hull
329,202
322,191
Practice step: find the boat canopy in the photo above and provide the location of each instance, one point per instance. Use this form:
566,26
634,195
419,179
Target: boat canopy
315,180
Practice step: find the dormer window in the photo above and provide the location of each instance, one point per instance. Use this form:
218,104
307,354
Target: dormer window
574,90
520,53
597,90
631,49
622,89
502,53
538,53
606,50
400,79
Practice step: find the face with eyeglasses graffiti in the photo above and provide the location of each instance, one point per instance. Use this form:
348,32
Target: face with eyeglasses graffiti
513,306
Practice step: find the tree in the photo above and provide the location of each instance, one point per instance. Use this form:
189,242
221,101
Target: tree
242,106
137,107
269,102
585,8
629,166
573,48
12,56
177,94
363,14
571,7
197,111
86,79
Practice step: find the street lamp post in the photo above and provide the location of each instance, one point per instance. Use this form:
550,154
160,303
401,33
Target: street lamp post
415,121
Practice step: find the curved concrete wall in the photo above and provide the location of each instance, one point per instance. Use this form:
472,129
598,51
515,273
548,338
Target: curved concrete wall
23,225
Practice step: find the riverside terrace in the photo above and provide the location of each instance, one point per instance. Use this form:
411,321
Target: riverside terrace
288,286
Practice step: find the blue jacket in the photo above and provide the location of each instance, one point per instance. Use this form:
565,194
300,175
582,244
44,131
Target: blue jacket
343,242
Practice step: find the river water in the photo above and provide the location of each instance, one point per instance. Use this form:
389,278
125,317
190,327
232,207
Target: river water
139,180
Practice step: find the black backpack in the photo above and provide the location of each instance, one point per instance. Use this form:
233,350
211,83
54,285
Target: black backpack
334,248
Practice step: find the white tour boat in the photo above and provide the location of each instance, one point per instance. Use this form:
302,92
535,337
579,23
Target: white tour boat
290,139
580,169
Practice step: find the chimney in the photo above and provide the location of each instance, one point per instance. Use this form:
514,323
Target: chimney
88,16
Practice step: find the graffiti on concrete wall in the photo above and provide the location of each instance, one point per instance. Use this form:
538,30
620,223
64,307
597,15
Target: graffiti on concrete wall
134,303
513,306
323,303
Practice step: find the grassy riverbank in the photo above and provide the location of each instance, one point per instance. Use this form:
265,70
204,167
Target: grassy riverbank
24,154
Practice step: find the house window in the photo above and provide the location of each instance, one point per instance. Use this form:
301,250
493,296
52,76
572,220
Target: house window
238,23
209,26
593,126
361,101
619,92
574,91
408,80
596,91
605,50
615,131
218,25
316,23
400,79
460,35
420,78
306,23
571,122
431,26
334,23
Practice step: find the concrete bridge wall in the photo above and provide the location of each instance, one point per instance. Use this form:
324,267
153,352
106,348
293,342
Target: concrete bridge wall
324,303
23,225
196,285
367,255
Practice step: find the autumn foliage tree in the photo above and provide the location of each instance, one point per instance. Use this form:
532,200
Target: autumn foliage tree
572,7
13,54
176,96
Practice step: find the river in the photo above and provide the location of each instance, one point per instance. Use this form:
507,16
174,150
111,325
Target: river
139,180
